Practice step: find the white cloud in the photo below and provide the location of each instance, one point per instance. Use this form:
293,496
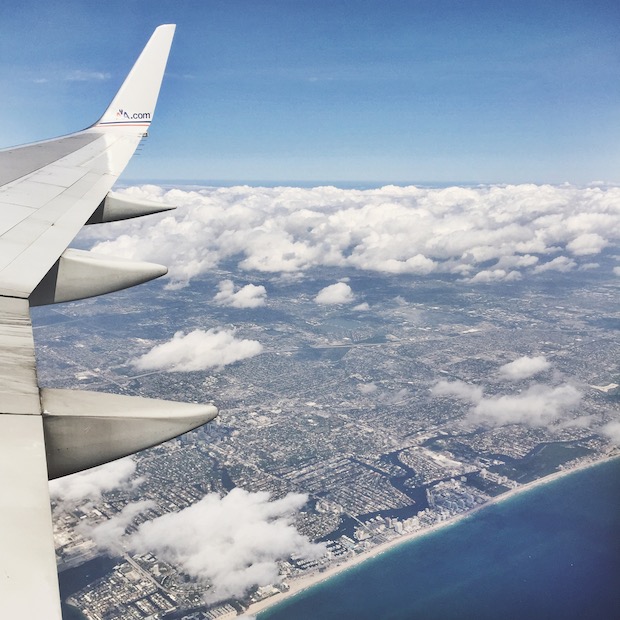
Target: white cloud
108,535
339,293
612,430
495,275
248,296
413,230
87,76
232,542
524,368
198,350
515,260
90,484
459,389
561,263
539,405
588,243
617,271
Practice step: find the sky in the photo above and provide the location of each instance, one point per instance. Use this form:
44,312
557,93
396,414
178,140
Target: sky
357,90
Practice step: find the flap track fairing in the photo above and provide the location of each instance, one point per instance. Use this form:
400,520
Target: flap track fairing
84,429
79,274
115,207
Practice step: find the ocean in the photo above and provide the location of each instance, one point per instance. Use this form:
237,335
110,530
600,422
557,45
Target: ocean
550,553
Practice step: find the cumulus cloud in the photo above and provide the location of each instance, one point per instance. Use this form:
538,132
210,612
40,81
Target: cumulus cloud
561,263
491,233
524,368
90,484
459,389
232,542
248,296
539,405
612,430
508,262
198,350
495,275
339,293
108,535
588,243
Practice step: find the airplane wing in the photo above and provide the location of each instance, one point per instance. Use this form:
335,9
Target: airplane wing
48,191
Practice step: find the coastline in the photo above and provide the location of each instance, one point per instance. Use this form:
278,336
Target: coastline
299,585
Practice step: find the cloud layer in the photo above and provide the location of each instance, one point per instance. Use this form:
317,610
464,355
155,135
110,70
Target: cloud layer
198,350
482,234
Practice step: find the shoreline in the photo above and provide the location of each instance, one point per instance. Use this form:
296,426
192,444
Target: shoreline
304,583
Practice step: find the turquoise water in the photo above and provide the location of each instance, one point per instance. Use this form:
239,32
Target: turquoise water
552,553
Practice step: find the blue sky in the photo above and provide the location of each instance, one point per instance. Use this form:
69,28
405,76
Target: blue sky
364,90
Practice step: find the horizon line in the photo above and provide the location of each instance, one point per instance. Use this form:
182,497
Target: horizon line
346,184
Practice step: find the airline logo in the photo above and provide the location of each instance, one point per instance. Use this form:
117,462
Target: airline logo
135,116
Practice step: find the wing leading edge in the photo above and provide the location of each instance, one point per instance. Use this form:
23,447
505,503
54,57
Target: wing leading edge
48,191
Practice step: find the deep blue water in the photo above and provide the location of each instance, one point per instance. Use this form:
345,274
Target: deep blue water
552,553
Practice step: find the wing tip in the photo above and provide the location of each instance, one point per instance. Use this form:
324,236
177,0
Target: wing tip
134,104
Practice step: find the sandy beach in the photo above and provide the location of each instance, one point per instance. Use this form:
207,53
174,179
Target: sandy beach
303,583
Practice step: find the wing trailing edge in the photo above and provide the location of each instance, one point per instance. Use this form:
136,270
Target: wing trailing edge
28,574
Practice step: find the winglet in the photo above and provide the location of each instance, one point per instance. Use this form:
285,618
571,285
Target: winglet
134,104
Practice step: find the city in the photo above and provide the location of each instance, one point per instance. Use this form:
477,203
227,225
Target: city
340,406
